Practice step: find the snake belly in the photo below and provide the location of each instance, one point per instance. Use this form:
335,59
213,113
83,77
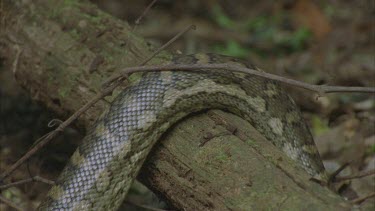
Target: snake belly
102,169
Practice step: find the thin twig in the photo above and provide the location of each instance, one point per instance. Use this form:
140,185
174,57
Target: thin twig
337,172
54,122
145,11
360,175
134,28
138,21
321,89
363,198
15,63
24,181
188,28
10,203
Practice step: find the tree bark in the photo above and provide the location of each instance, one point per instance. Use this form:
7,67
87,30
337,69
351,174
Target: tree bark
210,161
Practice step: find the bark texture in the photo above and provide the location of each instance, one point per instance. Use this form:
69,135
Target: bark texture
211,161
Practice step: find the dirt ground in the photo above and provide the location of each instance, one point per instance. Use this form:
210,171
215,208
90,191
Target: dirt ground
319,42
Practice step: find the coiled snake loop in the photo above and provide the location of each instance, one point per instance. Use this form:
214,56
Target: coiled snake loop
102,169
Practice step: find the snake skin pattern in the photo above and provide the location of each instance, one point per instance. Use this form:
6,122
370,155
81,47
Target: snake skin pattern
102,169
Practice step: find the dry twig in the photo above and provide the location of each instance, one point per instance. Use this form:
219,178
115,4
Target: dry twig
32,179
360,175
363,198
337,172
321,89
145,11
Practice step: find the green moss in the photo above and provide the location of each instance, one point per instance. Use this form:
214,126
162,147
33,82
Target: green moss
93,18
53,13
50,79
135,77
70,3
222,156
58,10
63,92
75,34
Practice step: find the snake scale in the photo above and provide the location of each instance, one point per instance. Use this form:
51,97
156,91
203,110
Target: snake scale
101,170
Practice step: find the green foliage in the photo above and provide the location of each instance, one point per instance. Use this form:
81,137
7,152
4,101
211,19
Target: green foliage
319,125
373,149
232,48
221,18
267,34
64,92
297,40
270,32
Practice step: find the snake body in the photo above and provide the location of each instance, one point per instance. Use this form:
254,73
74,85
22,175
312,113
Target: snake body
102,169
